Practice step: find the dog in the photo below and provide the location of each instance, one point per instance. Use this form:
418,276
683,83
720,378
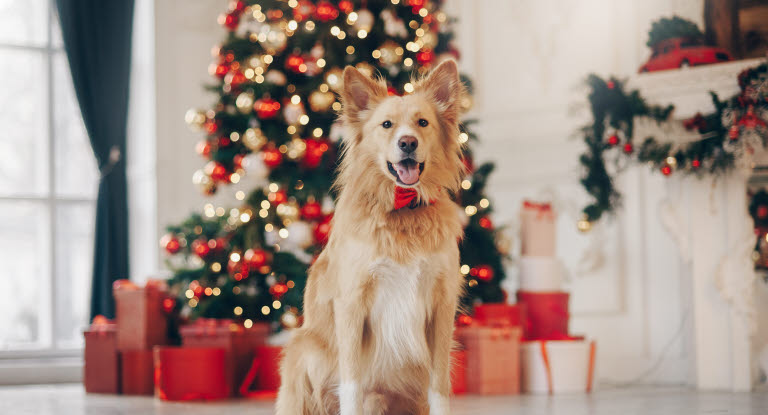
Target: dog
381,297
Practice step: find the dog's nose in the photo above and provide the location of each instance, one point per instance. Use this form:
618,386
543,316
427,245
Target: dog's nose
408,143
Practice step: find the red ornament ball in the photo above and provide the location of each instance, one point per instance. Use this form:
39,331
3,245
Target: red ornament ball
272,157
211,126
303,10
278,290
666,170
762,211
313,155
169,304
464,320
219,70
219,173
266,108
628,148
695,163
311,211
257,258
326,12
323,230
201,248
482,272
294,62
238,6
172,245
611,85
485,222
277,198
203,148
346,6
416,5
425,56
230,20
613,140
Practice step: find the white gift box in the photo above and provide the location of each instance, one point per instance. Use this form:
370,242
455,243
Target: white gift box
557,366
541,274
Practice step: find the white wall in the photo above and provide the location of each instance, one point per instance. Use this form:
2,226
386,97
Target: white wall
528,60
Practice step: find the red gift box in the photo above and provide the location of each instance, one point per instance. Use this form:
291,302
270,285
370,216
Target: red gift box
458,372
102,362
141,319
238,341
138,376
546,314
190,373
492,359
263,378
499,314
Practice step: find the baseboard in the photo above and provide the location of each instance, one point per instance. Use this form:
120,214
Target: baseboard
41,370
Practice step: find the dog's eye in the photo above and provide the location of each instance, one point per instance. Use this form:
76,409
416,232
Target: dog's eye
387,124
423,122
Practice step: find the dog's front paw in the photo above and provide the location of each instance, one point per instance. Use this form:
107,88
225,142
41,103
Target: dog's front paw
438,403
350,400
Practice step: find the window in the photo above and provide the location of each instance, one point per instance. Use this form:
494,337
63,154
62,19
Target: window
48,184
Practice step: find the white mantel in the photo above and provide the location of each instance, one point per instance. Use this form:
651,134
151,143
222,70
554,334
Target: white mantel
709,221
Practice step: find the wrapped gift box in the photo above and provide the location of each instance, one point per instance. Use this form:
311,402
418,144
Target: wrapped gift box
558,366
263,378
540,274
492,359
458,372
537,229
499,314
102,361
238,341
141,319
546,314
190,373
138,376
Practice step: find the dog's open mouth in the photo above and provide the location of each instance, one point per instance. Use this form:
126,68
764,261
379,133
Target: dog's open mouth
407,171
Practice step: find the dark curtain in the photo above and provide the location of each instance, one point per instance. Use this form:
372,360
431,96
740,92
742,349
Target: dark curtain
97,38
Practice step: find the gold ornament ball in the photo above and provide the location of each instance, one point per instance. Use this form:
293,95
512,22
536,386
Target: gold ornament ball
334,78
288,211
244,102
321,101
584,225
195,118
254,139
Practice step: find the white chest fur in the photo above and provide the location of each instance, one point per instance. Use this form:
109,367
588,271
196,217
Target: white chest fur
400,310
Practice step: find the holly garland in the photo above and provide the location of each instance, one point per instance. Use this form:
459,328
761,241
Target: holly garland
731,134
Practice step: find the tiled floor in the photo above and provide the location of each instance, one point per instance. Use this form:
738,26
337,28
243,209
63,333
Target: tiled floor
71,400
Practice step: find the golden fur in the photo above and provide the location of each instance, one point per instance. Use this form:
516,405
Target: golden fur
380,300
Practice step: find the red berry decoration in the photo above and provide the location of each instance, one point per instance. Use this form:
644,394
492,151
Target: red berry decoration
610,84
613,140
323,230
425,56
294,62
628,148
277,198
311,211
257,258
173,245
266,108
326,12
313,155
762,211
482,272
666,170
272,157
346,6
201,248
485,222
695,163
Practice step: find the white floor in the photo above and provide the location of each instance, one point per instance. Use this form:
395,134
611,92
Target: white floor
72,400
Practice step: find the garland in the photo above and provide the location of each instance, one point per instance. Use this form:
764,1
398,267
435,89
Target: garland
726,137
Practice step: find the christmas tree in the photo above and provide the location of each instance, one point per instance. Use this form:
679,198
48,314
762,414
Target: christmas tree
277,75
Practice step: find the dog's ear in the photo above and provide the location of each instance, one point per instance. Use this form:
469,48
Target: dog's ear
359,93
443,86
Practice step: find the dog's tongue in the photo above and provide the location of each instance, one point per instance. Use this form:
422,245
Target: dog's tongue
407,171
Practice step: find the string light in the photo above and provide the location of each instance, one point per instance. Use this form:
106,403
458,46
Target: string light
484,203
215,267
295,100
276,305
193,302
235,257
265,204
463,138
350,49
465,269
470,210
304,119
335,30
245,217
408,62
283,233
208,291
362,34
220,211
408,87
273,187
317,132
466,184
216,291
238,310
248,323
269,227
189,293
265,310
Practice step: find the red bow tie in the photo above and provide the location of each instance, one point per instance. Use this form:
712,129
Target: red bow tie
407,196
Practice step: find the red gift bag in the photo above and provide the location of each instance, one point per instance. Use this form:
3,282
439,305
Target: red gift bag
263,378
190,373
138,377
101,372
499,314
238,341
546,314
141,318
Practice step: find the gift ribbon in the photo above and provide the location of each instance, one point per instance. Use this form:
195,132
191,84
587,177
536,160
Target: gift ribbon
541,208
548,366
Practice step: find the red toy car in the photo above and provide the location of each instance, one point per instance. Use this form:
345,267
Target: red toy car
681,53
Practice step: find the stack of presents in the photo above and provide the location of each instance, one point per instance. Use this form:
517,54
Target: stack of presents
217,359
503,348
526,347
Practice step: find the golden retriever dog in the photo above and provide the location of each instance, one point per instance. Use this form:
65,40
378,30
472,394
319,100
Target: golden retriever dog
381,298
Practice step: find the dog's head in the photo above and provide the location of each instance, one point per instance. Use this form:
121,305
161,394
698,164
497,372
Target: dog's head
409,140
